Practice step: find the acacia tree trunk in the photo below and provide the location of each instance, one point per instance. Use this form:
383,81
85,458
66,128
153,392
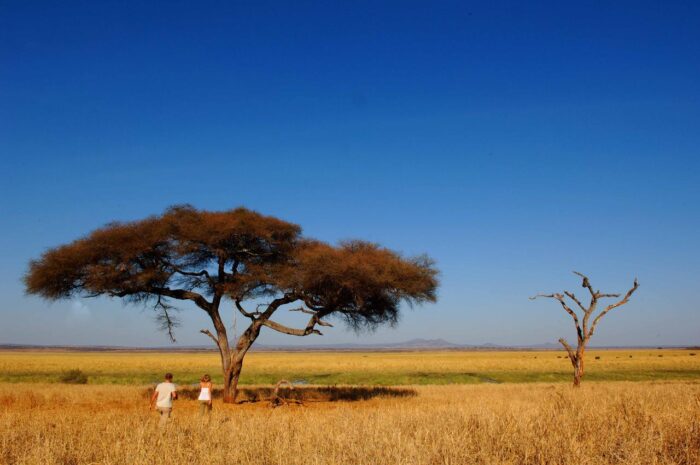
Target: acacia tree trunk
229,389
232,359
226,353
234,365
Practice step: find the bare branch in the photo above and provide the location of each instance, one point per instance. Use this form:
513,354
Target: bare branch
573,297
608,295
208,333
569,350
182,294
204,273
568,310
177,269
291,331
167,322
311,312
587,284
275,304
566,345
310,326
244,312
621,302
302,310
276,400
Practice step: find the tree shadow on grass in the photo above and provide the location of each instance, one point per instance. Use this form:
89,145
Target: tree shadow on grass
309,393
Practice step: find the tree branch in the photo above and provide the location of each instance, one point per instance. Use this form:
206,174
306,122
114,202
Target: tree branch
569,350
167,322
587,284
324,323
251,254
561,300
621,302
275,304
573,297
182,294
204,273
244,312
291,331
310,326
208,333
312,312
221,272
178,270
302,310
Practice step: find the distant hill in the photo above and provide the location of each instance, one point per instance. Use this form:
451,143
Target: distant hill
424,343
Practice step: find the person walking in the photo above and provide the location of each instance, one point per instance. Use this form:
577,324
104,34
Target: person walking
205,394
163,398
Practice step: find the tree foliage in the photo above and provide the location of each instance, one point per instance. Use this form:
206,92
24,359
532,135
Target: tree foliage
197,255
204,257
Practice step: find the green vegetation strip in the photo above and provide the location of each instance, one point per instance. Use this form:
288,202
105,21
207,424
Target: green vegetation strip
364,378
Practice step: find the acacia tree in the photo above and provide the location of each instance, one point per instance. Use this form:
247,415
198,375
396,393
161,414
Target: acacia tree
259,263
586,327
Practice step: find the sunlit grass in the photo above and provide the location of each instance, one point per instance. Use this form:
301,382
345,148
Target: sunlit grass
524,424
378,368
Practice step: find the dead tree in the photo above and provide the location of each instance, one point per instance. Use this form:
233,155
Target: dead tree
585,327
276,400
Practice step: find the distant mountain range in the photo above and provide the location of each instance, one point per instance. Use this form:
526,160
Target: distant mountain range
412,344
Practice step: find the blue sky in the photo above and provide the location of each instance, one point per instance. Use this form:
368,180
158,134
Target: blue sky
513,142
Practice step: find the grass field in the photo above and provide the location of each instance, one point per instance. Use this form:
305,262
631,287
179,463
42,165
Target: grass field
635,407
376,368
536,423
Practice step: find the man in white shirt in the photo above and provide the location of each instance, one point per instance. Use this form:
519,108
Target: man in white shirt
163,399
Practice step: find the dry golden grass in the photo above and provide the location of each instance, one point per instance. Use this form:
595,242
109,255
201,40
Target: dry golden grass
601,423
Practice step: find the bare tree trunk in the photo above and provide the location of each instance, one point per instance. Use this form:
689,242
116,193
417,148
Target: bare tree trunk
578,372
578,365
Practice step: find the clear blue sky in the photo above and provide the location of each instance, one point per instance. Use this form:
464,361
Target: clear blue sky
513,142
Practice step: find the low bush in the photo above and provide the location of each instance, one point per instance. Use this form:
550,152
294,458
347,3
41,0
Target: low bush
74,377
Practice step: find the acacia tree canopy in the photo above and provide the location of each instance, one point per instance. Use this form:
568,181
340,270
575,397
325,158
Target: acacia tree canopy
204,257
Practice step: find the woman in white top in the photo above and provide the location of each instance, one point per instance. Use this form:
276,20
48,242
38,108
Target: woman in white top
204,398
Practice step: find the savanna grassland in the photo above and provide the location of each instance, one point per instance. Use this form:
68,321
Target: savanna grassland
481,408
375,368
